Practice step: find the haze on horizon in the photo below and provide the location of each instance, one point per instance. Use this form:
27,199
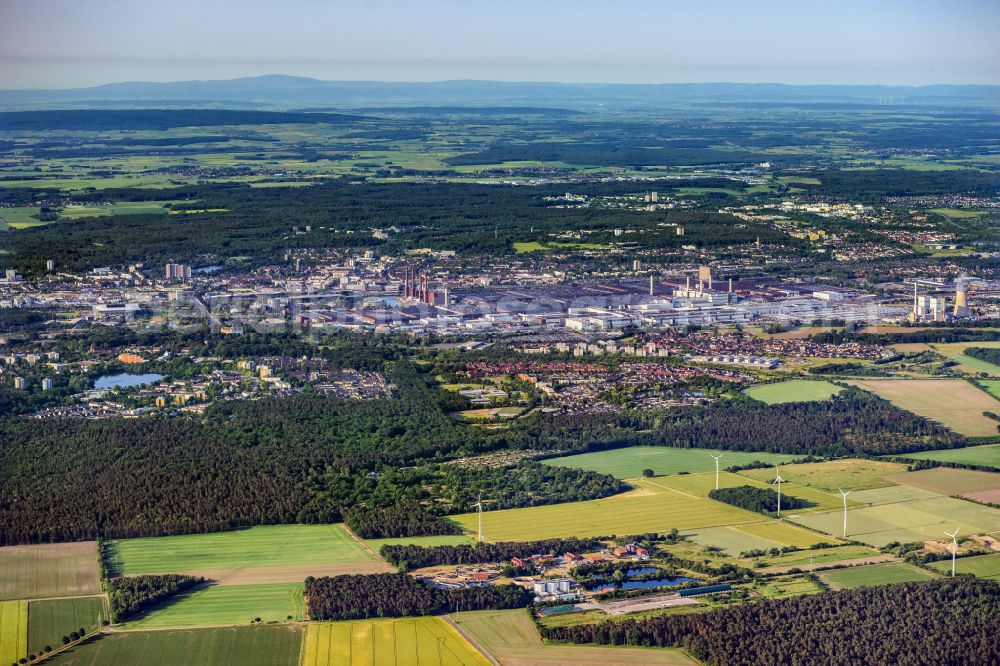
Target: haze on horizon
67,44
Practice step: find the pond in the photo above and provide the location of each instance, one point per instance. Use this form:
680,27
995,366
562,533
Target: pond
643,584
125,379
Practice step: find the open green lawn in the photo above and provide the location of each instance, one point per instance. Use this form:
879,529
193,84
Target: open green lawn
266,546
849,474
511,637
869,575
649,508
983,566
278,645
628,463
51,619
905,522
226,604
428,641
49,570
13,631
987,455
991,386
794,390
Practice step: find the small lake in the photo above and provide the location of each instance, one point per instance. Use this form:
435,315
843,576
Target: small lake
125,380
643,584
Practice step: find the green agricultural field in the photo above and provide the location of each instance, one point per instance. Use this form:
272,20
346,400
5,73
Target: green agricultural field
13,631
51,619
216,605
991,386
957,213
247,646
985,456
870,575
889,495
849,474
794,390
704,482
983,566
49,570
954,403
628,463
649,508
906,522
511,638
271,553
428,641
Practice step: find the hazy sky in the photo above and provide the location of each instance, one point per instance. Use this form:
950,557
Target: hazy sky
72,43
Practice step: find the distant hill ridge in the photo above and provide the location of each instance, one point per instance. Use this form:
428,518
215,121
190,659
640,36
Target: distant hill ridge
278,92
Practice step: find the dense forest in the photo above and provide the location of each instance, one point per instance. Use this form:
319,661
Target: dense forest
353,597
416,557
132,595
403,519
756,499
951,622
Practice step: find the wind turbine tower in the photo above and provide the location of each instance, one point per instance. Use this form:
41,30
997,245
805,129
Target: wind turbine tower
845,509
954,549
717,468
777,482
479,509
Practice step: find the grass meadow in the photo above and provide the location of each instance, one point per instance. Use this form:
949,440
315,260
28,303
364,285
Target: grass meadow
704,482
49,570
983,566
794,390
276,645
849,474
511,637
870,575
628,463
424,641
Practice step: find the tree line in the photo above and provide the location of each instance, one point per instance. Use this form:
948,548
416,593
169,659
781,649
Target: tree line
752,498
355,597
408,556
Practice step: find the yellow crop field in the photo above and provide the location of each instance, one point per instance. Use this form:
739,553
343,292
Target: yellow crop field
651,507
13,631
954,403
424,641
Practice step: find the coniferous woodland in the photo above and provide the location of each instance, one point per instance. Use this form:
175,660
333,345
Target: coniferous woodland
405,519
132,595
416,557
941,623
751,498
353,597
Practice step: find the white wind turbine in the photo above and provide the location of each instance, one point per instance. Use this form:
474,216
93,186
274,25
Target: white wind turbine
777,482
845,509
717,468
479,509
954,549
